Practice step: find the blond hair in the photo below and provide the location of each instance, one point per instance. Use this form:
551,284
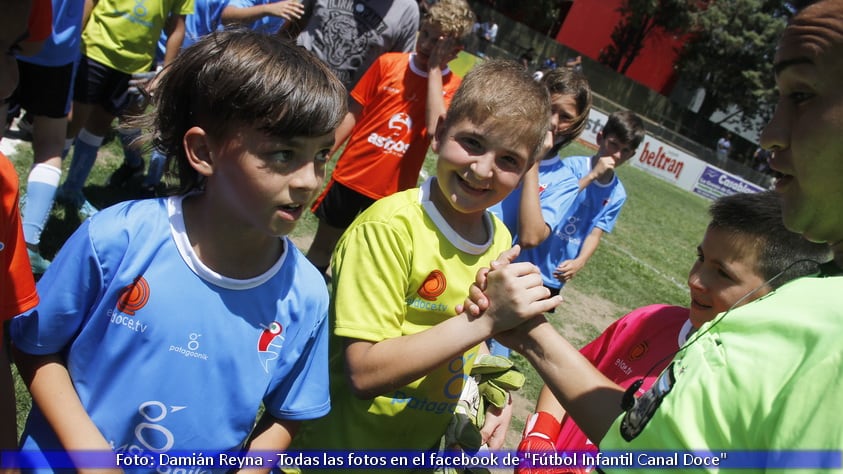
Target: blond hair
453,17
502,93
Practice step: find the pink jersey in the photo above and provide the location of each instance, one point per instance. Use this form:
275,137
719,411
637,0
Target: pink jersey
644,340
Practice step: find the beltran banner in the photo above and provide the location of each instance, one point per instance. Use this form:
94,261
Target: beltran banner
676,166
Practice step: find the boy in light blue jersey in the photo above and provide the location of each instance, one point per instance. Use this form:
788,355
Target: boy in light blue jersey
170,321
596,197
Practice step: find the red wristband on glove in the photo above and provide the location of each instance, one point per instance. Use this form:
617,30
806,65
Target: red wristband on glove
544,425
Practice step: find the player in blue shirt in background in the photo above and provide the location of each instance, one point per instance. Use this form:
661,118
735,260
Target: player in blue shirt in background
170,321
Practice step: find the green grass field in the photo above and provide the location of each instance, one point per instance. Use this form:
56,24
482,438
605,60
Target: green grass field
645,260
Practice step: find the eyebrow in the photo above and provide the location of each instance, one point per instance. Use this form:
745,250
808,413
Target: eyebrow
782,65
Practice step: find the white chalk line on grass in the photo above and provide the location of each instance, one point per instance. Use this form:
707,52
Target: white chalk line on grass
680,285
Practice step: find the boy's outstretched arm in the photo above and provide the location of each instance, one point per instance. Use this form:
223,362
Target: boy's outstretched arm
592,400
52,390
374,368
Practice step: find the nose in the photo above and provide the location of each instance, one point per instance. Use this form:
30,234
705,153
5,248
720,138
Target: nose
695,278
482,166
307,177
775,135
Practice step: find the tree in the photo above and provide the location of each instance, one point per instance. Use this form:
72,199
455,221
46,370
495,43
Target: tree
730,55
641,19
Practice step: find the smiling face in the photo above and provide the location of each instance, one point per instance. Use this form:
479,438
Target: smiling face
804,132
264,184
725,271
477,167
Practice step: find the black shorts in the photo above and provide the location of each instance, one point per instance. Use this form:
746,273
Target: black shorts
338,205
98,84
44,90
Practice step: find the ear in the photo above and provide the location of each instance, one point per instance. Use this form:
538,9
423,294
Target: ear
198,149
599,138
438,134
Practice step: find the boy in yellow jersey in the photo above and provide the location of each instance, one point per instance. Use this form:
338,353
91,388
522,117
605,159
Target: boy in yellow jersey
399,355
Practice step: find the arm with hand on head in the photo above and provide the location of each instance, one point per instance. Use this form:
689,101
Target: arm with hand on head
347,124
435,107
532,228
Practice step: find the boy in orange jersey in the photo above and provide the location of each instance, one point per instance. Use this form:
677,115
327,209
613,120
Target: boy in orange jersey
392,113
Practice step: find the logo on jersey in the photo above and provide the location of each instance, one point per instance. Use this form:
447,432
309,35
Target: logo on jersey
401,121
133,297
270,343
638,350
542,187
433,286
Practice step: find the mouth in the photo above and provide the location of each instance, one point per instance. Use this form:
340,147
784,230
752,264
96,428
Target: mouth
291,212
782,181
470,188
699,306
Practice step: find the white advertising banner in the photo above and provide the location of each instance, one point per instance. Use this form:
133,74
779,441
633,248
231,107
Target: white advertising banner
673,165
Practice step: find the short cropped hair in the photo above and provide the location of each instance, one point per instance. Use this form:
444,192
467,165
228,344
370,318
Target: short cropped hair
627,126
238,78
567,81
501,92
453,17
758,217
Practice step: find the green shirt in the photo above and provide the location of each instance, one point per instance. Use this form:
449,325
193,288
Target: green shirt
123,34
765,376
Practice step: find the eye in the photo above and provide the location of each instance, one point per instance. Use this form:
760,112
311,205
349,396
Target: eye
282,156
725,275
471,144
700,257
509,163
323,156
799,97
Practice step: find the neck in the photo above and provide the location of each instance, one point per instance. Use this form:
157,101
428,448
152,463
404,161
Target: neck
468,226
223,245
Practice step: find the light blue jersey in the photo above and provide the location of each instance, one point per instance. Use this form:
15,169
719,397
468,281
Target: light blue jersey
166,354
205,19
598,205
557,191
62,47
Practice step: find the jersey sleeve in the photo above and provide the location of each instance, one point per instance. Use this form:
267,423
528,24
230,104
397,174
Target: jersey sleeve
185,7
558,197
17,286
371,276
303,393
367,86
69,290
609,215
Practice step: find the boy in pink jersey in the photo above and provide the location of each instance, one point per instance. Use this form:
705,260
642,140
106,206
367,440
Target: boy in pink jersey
744,246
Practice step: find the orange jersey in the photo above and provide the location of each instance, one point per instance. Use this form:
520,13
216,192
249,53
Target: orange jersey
388,144
17,286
